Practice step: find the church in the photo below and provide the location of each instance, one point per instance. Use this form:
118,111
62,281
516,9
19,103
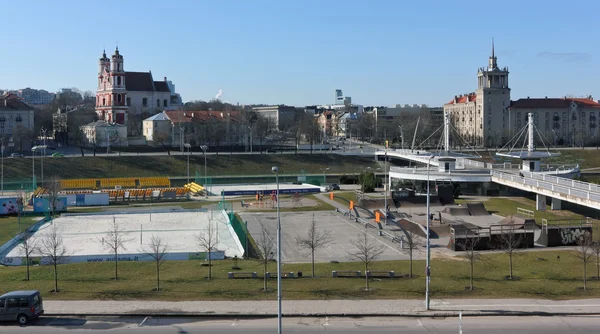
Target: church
122,94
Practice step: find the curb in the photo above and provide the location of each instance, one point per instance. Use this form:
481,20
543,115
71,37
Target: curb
449,314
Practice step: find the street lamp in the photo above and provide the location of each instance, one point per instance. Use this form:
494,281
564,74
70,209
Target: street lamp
204,149
385,186
325,175
250,128
188,146
275,170
428,264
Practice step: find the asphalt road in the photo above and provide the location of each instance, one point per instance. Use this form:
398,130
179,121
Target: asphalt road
492,325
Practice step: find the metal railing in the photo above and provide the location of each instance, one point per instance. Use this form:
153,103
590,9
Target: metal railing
591,187
436,171
556,186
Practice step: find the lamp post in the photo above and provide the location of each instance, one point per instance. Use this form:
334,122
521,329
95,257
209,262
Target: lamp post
204,149
325,175
385,186
188,146
250,128
42,153
33,167
428,264
275,169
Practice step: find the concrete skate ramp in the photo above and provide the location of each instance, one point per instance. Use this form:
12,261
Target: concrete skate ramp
477,209
520,223
555,236
457,211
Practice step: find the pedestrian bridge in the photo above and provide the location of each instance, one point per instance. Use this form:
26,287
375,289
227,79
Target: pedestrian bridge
560,189
467,170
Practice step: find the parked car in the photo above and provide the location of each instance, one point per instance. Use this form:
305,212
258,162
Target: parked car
332,187
57,154
21,306
16,155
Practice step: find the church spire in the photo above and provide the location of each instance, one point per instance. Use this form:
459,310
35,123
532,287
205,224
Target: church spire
493,60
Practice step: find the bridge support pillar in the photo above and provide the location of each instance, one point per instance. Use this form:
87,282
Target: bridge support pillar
540,202
556,204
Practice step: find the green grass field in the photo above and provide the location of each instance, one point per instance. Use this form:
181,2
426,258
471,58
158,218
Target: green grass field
539,274
9,226
217,165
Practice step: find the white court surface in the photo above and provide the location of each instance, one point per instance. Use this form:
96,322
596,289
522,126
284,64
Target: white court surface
82,234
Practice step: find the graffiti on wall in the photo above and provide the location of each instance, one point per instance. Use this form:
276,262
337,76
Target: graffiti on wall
570,236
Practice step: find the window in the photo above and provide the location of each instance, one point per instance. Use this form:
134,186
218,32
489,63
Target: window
165,103
145,102
2,302
12,302
37,300
119,98
118,81
103,101
128,101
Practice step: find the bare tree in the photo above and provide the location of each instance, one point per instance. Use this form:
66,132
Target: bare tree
28,248
115,240
53,189
208,242
157,250
314,240
469,245
53,248
585,251
596,249
366,251
266,247
510,242
412,242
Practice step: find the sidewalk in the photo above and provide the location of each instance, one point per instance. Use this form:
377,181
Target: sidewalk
317,308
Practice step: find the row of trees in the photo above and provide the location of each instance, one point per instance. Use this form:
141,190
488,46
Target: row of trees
511,243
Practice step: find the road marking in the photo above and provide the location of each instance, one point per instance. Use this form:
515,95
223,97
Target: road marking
50,323
326,321
234,322
143,321
420,323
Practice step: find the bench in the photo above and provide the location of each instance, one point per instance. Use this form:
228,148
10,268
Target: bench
381,274
283,275
345,273
233,275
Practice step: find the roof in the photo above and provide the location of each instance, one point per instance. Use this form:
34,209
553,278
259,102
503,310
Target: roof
19,293
464,98
161,86
187,116
553,103
11,101
143,82
102,123
158,117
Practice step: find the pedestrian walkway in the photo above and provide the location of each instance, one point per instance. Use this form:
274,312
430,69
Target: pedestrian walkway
404,307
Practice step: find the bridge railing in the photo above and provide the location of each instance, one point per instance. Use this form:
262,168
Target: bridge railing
563,189
436,171
565,182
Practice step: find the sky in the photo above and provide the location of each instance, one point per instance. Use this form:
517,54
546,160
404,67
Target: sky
297,52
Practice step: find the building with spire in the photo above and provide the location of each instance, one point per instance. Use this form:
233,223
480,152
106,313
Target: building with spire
121,95
482,117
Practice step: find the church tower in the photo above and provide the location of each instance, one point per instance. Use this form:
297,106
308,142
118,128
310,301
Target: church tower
111,95
493,101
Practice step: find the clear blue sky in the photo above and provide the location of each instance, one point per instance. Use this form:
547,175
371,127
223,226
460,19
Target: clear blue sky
298,52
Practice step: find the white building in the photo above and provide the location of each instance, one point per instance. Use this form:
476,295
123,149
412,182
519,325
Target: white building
103,134
482,118
35,96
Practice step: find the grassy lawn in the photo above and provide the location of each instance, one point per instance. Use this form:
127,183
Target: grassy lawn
217,165
540,276
9,226
508,206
